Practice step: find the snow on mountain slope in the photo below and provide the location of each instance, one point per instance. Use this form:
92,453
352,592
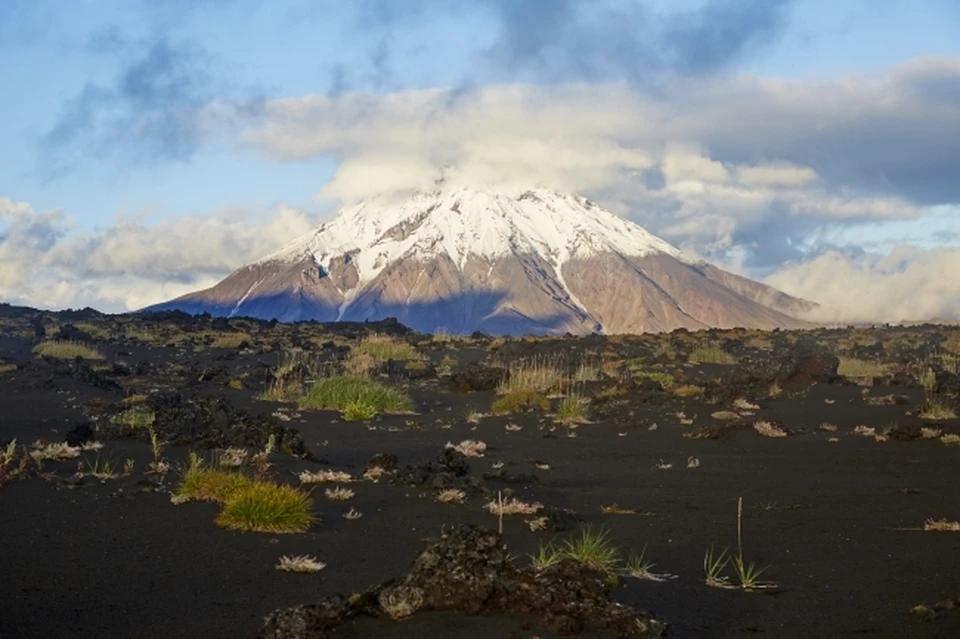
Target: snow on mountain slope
491,259
460,221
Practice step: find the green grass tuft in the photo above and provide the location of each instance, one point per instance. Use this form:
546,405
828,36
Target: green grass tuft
594,550
519,401
571,410
336,393
268,507
200,483
359,411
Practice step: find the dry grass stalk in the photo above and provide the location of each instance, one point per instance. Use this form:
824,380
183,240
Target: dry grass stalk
339,493
300,563
941,525
451,496
469,448
324,477
768,429
512,506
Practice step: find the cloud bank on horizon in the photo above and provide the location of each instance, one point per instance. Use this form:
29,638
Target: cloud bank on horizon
840,189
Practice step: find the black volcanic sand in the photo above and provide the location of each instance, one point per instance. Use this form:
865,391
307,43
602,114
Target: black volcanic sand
838,522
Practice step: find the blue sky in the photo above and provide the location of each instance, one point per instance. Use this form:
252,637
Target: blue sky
152,111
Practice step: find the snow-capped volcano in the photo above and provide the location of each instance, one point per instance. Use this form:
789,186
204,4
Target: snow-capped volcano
465,258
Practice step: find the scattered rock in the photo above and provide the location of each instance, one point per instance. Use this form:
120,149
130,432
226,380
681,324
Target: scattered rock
467,570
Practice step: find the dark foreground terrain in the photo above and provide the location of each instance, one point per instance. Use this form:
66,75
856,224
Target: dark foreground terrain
646,442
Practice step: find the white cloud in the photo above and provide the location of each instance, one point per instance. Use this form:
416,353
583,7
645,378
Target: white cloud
907,283
132,263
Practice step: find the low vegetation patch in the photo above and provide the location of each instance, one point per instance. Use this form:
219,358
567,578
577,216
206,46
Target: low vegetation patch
203,483
61,349
769,429
860,368
512,506
666,380
336,393
711,355
519,401
469,448
933,409
536,375
593,549
686,390
230,340
139,417
268,507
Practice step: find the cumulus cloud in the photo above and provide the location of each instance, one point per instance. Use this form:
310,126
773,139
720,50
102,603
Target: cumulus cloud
906,284
132,263
715,165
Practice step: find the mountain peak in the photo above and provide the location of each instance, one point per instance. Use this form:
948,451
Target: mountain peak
497,259
458,221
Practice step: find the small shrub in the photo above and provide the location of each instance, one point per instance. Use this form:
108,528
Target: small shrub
60,349
519,401
400,602
537,375
230,340
547,556
268,507
336,393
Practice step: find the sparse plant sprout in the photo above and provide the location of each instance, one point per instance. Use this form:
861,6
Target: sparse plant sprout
91,447
400,602
941,525
469,448
662,465
352,514
128,467
513,428
713,567
300,563
324,477
513,506
774,391
930,433
639,567
100,468
950,439
693,462
474,416
451,496
339,493
594,550
769,429
547,556
828,427
271,446
748,573
374,473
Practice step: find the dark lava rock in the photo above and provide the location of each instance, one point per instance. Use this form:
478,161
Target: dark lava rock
804,363
72,333
81,371
80,434
210,422
478,378
449,470
467,569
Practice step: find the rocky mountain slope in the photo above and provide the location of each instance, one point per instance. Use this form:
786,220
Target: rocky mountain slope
464,259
